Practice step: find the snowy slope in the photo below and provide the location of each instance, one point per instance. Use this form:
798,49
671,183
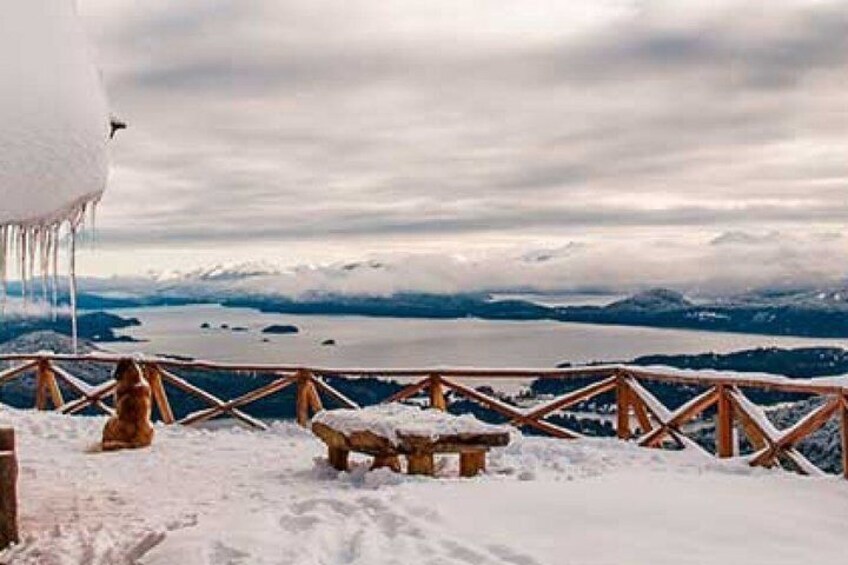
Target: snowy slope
231,496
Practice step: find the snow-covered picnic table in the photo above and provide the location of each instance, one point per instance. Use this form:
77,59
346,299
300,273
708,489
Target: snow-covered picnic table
388,431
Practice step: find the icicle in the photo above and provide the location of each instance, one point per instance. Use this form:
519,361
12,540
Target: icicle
4,252
72,274
35,246
54,251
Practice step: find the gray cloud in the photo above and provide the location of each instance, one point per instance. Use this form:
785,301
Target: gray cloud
371,125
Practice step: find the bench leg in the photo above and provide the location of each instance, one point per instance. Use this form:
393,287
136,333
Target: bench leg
472,463
390,461
420,464
338,458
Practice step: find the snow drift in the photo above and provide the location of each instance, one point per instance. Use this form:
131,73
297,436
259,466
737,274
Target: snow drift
227,495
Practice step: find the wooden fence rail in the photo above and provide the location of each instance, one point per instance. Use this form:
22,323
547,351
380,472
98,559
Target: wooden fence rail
639,415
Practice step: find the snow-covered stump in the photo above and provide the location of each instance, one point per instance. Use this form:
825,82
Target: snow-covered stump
8,488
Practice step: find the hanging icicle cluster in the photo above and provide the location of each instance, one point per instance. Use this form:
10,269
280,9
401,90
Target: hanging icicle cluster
31,249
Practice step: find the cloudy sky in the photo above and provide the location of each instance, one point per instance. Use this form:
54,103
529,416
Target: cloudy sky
700,143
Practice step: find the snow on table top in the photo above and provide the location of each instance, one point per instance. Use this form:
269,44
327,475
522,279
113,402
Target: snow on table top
393,420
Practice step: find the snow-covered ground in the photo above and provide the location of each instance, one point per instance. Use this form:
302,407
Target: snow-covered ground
231,496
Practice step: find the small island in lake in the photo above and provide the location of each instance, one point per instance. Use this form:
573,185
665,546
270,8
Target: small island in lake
281,329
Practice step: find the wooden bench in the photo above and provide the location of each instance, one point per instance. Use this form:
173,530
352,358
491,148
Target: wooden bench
389,431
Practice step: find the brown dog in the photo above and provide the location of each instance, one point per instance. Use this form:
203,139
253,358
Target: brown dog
130,427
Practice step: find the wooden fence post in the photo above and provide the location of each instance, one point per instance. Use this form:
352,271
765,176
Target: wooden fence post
724,424
154,379
8,489
437,393
46,386
307,397
622,407
313,397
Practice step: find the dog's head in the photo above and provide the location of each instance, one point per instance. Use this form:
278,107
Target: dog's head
128,375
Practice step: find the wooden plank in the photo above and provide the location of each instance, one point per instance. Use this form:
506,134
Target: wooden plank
724,424
809,423
186,386
160,396
758,426
247,398
94,397
671,421
333,393
572,398
437,393
757,435
9,533
804,465
510,412
641,414
805,426
363,442
408,391
451,443
89,394
313,398
656,408
14,372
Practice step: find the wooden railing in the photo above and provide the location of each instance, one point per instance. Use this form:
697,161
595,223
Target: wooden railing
639,415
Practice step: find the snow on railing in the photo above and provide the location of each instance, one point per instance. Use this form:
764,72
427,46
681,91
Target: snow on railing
639,415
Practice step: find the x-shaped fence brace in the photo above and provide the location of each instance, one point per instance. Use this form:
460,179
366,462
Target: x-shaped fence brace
656,423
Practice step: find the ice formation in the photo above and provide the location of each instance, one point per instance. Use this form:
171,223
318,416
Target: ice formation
55,127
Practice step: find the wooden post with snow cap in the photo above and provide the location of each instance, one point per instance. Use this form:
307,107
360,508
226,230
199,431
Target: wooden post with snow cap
8,488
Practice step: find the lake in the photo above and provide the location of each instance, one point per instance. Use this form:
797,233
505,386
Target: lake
392,342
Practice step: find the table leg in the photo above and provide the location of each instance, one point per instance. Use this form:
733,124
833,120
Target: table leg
390,461
471,463
338,458
420,464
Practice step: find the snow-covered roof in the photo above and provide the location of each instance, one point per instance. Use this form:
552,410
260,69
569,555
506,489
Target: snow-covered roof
54,114
55,126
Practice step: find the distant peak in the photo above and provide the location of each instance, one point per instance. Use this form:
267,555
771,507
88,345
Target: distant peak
653,299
